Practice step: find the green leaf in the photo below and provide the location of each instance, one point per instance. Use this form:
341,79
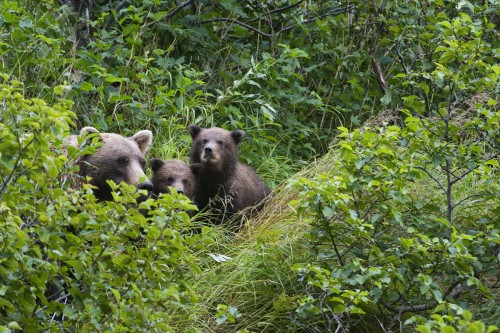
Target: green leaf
14,325
437,295
86,86
339,308
448,329
447,56
445,24
357,310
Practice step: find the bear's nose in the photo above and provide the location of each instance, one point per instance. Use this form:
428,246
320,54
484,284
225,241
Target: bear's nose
208,150
180,191
146,185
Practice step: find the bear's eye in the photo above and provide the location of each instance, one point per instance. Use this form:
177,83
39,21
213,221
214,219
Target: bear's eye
220,142
185,181
170,180
205,141
122,161
143,164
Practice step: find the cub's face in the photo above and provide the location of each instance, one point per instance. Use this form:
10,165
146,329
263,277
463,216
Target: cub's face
214,148
172,173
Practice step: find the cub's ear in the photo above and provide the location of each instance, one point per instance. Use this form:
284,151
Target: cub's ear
238,136
144,139
194,130
196,168
87,134
155,163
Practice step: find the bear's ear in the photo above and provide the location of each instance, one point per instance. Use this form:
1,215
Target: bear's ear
155,163
144,139
238,136
87,130
196,168
194,130
88,134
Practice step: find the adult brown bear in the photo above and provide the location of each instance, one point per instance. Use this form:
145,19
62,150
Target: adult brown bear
117,158
224,186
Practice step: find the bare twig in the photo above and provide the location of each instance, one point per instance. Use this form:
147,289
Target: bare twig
111,18
5,182
432,177
335,11
281,9
178,8
380,76
247,26
467,198
469,171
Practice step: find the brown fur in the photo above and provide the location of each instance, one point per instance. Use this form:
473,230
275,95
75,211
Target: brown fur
172,173
117,158
223,184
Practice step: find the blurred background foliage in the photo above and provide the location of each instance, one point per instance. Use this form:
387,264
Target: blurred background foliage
289,73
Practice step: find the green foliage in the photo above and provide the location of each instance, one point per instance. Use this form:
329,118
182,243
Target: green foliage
403,221
382,244
69,262
450,318
383,247
163,66
226,314
35,40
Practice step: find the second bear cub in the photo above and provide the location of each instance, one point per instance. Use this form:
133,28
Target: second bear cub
224,186
173,173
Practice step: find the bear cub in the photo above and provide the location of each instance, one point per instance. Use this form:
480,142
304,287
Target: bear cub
224,186
118,158
173,173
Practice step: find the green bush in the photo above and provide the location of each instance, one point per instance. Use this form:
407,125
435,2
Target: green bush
407,217
67,261
450,318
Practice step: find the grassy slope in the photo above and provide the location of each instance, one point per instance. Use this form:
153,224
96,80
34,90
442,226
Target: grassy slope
258,279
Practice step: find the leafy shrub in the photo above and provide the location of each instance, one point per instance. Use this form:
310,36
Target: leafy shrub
68,262
406,219
451,318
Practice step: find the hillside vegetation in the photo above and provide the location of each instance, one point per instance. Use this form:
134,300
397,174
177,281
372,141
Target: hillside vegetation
376,123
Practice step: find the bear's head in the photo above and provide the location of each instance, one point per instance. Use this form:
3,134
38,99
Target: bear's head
215,148
173,173
117,158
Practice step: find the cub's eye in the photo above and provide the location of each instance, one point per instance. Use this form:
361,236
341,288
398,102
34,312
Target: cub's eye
143,164
185,181
220,142
122,161
170,180
205,141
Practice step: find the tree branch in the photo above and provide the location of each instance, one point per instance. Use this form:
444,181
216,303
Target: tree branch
247,26
178,8
432,177
281,9
380,76
469,171
335,11
467,198
111,18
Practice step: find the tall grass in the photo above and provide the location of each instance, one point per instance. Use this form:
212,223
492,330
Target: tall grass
257,279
